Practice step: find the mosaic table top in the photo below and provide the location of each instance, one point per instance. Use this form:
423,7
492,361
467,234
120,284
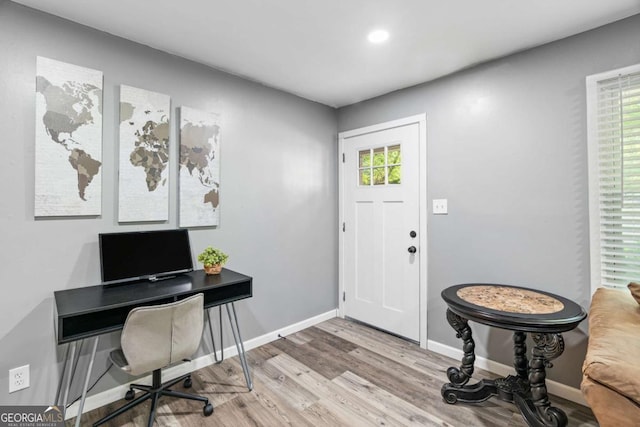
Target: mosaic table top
510,300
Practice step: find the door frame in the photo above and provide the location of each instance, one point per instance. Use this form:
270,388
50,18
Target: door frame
421,120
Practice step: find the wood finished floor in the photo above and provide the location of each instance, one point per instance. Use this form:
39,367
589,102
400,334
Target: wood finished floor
337,373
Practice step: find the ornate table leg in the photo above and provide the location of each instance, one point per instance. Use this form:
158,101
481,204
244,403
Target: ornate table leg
520,362
457,388
461,376
516,388
538,411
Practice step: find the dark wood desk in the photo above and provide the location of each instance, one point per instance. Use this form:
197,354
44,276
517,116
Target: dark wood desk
542,314
95,310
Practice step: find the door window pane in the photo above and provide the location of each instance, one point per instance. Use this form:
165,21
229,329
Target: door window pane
395,172
365,177
365,158
378,156
378,176
393,156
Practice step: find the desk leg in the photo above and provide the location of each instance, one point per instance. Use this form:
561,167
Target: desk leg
64,371
86,381
239,345
213,341
71,351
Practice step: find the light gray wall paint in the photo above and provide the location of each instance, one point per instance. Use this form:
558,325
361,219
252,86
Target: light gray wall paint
278,194
507,146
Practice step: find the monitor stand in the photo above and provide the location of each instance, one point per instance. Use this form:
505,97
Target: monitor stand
157,279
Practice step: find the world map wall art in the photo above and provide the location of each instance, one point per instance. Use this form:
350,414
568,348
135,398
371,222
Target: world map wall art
143,185
199,168
68,146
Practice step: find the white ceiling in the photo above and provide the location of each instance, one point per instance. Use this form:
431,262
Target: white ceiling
318,49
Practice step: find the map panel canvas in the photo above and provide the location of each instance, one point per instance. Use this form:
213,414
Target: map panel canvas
68,146
199,168
144,155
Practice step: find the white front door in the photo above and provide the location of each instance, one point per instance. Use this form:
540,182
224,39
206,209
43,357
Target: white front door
381,251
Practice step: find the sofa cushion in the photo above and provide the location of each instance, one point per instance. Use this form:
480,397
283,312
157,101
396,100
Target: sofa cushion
635,291
614,342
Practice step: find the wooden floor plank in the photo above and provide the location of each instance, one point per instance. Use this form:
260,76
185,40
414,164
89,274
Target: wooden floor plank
279,384
299,338
319,415
323,364
257,356
409,414
336,399
333,340
281,407
242,411
220,383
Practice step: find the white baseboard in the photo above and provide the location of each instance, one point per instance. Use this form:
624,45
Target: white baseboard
554,387
109,396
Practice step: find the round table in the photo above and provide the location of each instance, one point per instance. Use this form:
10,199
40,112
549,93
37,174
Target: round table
541,314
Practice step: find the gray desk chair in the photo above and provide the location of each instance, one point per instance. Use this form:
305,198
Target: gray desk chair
155,337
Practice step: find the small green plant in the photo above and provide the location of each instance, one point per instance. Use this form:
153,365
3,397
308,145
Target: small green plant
211,256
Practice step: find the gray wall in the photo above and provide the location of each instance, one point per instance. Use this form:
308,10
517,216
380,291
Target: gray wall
278,195
507,145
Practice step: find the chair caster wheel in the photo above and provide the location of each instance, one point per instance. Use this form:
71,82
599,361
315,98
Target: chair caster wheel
207,410
187,383
130,395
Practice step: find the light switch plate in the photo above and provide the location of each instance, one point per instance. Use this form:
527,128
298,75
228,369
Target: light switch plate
440,206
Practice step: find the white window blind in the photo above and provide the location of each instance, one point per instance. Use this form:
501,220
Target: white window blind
615,132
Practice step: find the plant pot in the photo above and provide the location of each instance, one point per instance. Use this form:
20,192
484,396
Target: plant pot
213,269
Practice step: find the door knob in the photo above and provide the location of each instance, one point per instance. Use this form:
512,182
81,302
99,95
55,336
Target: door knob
412,249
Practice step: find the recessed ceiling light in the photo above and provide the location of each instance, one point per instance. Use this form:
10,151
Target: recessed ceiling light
378,36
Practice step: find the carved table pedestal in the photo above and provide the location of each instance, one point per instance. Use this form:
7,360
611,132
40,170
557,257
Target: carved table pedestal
541,314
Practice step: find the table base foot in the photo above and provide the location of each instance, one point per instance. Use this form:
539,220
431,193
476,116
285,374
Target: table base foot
540,417
511,389
511,386
474,393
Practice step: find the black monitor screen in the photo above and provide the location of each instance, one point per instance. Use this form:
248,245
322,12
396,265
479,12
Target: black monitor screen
144,255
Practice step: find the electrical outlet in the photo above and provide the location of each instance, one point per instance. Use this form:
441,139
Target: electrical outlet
18,378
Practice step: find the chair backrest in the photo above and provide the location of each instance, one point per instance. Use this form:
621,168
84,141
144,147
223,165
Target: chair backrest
156,336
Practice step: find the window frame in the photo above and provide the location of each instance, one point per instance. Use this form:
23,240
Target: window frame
386,166
593,168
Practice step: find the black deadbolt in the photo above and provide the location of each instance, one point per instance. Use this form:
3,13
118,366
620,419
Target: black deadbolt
413,234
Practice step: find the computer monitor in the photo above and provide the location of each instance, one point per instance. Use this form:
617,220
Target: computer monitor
140,255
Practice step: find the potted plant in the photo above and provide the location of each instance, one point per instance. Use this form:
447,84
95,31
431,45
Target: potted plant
212,260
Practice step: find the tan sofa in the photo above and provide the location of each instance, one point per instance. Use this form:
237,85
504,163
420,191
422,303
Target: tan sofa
611,370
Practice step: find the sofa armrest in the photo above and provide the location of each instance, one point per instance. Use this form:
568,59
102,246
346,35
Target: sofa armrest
614,343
